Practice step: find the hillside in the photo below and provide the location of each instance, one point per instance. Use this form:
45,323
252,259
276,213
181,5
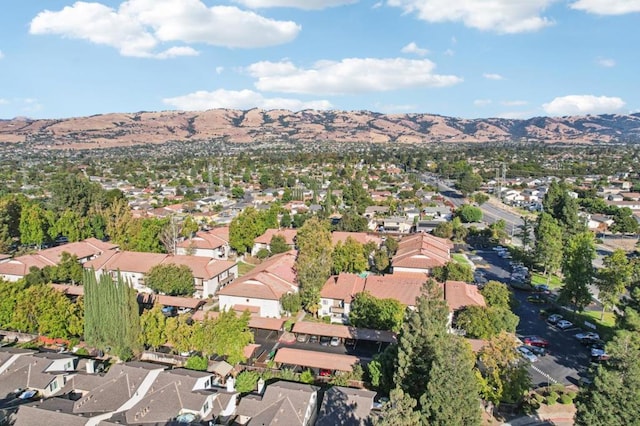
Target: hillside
119,129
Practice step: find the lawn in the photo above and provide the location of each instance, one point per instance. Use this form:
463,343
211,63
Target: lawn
244,268
594,316
538,278
460,258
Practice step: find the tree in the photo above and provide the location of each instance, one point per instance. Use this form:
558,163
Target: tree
291,302
351,221
278,244
469,214
613,279
564,208
117,217
313,264
68,269
453,271
524,231
577,267
230,335
33,225
468,182
244,228
418,339
71,225
189,227
497,295
247,381
480,198
624,222
355,196
549,246
285,221
451,396
112,319
379,314
381,259
198,363
237,192
171,279
382,367
391,244
179,332
349,257
398,411
484,322
153,325
144,234
502,376
444,230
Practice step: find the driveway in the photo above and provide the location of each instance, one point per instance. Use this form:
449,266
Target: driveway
567,357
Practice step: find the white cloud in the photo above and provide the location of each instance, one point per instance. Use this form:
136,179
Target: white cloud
606,62
1,54
502,16
31,105
138,27
491,76
350,75
4,101
242,99
449,52
516,115
607,7
413,48
377,5
583,104
482,102
298,4
514,103
219,70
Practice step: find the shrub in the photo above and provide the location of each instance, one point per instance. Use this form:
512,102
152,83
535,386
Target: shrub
557,388
82,352
263,254
195,362
565,399
539,398
552,398
307,377
247,381
572,395
326,319
288,325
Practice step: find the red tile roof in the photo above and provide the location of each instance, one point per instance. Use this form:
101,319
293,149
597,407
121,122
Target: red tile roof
405,288
422,251
212,239
315,359
459,294
201,267
269,280
342,287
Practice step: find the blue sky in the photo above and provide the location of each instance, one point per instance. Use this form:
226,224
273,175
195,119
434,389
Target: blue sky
462,58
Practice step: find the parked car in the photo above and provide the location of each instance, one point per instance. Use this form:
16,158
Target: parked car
536,350
598,353
325,340
536,298
553,319
527,354
169,311
589,335
564,324
335,341
313,339
303,338
536,341
325,372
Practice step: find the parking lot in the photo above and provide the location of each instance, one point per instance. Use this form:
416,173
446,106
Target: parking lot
567,358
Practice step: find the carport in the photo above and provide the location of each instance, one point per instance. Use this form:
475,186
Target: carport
346,333
316,360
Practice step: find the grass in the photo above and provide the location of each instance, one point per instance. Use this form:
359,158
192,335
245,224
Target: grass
244,268
609,319
460,258
538,278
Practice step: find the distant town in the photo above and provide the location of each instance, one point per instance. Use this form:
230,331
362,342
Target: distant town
319,283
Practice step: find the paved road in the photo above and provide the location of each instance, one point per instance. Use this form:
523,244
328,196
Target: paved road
567,358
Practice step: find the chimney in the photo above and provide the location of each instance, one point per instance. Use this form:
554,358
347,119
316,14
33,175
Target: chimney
260,386
230,385
91,366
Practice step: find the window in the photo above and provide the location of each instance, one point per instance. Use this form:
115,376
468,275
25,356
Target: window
325,302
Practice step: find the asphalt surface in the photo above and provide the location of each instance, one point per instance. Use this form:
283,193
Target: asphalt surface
567,359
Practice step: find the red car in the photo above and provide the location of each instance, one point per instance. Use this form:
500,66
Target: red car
536,341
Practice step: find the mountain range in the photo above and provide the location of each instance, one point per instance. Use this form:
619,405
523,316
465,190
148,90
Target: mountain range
126,129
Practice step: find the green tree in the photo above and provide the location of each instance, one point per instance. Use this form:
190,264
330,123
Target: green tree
497,295
230,336
237,192
468,182
189,227
285,220
469,214
247,381
562,207
71,225
400,410
112,318
624,222
198,363
33,225
577,267
502,376
444,230
291,302
313,264
179,332
379,314
245,228
278,244
171,279
391,244
480,198
453,271
613,279
549,246
355,196
351,221
451,396
381,259
68,269
484,322
382,368
524,232
153,325
117,217
349,257
145,234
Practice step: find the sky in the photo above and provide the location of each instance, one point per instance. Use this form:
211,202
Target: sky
460,58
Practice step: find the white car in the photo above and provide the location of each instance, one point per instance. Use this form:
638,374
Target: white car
564,324
589,335
553,319
335,341
527,354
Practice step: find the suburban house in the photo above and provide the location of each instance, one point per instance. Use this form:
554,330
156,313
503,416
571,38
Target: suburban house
213,244
338,292
361,237
264,240
286,403
397,224
29,370
12,269
208,274
346,406
260,290
421,253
